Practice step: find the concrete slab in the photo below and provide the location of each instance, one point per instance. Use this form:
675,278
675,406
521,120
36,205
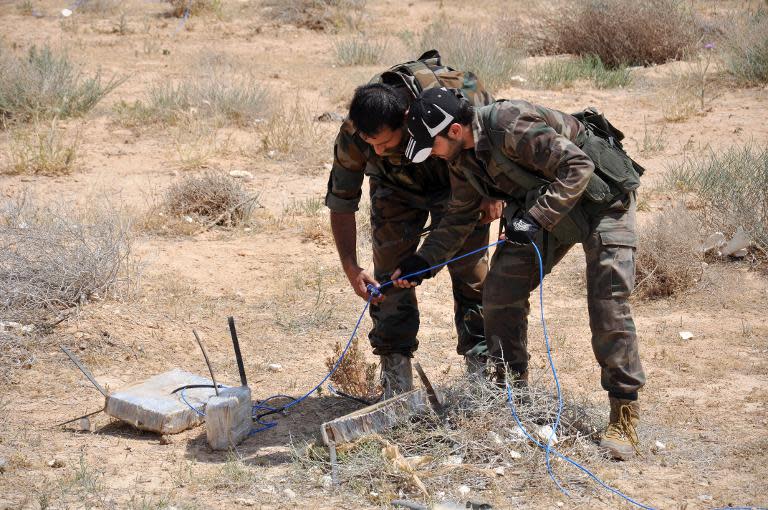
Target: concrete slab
151,405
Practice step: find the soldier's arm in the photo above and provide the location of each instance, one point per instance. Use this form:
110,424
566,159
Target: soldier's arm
343,198
540,139
461,217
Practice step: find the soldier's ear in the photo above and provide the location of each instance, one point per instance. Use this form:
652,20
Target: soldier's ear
455,131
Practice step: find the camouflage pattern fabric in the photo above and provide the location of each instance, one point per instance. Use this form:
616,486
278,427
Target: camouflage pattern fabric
403,196
397,218
543,142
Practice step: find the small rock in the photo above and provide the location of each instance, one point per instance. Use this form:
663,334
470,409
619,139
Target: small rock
66,13
559,503
166,439
330,117
275,367
326,481
686,335
705,497
515,455
464,490
546,434
499,471
189,219
453,460
659,445
247,229
246,502
56,463
85,424
3,463
289,493
494,437
241,174
271,154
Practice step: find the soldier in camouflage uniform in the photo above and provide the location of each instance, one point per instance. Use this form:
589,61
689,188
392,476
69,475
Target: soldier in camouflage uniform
403,196
563,182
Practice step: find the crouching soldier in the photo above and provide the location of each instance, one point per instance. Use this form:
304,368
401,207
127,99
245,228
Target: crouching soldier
403,195
565,180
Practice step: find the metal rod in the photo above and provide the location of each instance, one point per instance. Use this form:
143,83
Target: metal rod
238,355
334,464
87,373
79,418
431,395
207,362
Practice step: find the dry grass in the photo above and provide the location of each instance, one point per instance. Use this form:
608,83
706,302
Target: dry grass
473,48
360,50
56,258
47,84
668,260
564,72
211,199
181,8
331,15
293,134
354,376
44,149
744,47
622,32
732,186
478,445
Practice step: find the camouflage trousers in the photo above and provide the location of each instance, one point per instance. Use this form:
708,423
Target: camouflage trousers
610,254
397,219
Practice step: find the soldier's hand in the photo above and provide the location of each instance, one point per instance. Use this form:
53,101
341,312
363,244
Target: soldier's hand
522,230
490,210
359,278
408,266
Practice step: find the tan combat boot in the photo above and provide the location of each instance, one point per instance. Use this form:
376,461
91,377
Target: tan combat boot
620,438
396,374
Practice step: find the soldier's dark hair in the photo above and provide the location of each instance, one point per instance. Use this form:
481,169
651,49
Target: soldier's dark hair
463,116
376,106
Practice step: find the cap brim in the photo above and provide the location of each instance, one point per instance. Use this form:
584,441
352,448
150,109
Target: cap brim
417,152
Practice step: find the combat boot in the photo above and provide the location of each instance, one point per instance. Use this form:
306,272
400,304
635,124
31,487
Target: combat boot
620,439
396,374
503,374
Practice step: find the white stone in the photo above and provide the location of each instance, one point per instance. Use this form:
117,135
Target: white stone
546,434
289,493
495,438
326,481
515,455
660,445
499,471
453,460
686,335
66,13
152,405
464,490
228,417
275,367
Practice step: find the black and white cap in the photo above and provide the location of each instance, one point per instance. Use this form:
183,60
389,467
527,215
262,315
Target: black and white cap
431,112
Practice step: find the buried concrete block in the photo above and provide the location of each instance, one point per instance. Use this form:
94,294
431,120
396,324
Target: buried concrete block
152,405
228,417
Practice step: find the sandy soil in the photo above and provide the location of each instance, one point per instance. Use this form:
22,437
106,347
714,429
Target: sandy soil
705,399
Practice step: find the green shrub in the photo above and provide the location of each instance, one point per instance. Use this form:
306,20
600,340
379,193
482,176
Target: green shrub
359,51
43,149
733,188
744,48
622,32
564,72
46,84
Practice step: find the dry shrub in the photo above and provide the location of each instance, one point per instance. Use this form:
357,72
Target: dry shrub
55,258
733,187
47,84
43,149
477,437
293,133
317,14
360,51
181,8
212,198
622,32
668,258
354,376
473,48
15,351
744,47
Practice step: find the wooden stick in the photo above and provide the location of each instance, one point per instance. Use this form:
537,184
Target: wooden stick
207,362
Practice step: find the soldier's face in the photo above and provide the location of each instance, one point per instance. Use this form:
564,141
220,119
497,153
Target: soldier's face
385,141
446,147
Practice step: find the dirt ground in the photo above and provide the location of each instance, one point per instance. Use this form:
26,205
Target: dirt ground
705,399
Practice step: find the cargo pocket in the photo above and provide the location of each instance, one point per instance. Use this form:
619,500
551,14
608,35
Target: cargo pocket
611,164
617,261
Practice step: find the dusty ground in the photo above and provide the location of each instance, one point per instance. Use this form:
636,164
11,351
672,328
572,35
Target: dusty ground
705,398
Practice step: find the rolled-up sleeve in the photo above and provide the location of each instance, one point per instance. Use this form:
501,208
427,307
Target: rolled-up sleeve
345,181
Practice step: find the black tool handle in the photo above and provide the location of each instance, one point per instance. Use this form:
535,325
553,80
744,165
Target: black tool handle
238,355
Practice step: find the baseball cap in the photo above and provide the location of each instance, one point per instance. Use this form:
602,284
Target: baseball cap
431,112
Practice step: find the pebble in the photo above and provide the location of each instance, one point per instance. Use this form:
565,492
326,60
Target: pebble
464,490
166,439
85,424
241,174
3,464
660,445
275,367
515,455
56,463
499,471
289,493
326,481
705,497
246,502
544,433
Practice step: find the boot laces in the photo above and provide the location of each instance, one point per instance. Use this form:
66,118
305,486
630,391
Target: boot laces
623,429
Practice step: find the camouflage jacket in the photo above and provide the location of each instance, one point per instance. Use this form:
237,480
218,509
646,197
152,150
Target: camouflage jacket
353,158
539,140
